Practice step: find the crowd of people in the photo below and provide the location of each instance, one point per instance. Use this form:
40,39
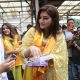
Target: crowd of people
47,51
73,46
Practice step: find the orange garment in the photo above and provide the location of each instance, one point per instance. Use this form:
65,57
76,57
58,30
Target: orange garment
18,59
45,46
11,46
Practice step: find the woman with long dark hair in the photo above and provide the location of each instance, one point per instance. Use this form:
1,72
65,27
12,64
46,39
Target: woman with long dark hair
11,46
44,40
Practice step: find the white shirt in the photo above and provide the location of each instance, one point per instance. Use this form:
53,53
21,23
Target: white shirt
3,76
68,35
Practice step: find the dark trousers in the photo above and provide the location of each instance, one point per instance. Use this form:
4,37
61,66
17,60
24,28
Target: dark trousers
10,75
76,71
70,73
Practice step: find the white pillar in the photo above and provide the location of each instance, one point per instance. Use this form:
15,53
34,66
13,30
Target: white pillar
37,7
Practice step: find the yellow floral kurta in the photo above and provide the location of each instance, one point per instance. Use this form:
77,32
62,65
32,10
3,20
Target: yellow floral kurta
58,70
9,45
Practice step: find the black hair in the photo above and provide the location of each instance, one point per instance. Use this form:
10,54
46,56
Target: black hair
70,20
53,13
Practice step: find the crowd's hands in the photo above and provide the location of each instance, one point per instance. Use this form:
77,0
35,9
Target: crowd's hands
70,42
8,63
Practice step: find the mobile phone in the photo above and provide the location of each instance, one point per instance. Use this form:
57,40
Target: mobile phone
14,56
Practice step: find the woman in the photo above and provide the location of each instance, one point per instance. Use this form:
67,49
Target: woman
45,39
12,47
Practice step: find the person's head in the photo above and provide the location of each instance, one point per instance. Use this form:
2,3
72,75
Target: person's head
64,27
77,34
78,30
7,30
48,20
15,30
70,24
29,26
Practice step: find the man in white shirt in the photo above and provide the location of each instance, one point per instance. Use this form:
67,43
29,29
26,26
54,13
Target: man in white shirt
68,33
69,39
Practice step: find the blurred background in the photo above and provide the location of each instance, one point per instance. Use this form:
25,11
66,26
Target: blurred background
23,12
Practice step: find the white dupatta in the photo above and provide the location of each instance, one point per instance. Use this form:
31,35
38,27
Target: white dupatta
3,76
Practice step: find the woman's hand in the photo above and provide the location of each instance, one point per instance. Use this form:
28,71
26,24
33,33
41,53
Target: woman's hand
8,64
16,50
32,51
35,51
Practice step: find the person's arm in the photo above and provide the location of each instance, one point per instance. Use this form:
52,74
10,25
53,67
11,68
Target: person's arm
27,41
76,46
27,47
26,53
14,51
8,64
32,51
1,68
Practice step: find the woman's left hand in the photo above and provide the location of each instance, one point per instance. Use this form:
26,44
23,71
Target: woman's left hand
16,50
35,51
